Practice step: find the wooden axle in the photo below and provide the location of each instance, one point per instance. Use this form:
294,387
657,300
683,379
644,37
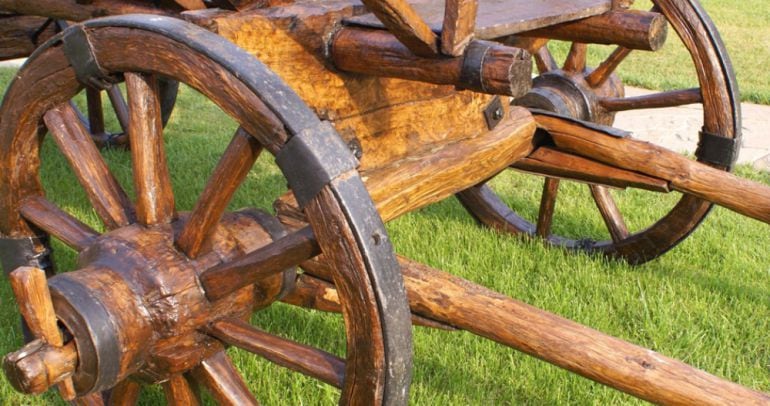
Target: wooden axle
632,29
485,67
38,366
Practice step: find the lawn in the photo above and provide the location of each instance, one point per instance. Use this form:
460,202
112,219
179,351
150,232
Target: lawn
707,302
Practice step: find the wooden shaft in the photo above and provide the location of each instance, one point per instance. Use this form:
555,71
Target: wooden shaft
632,29
632,369
503,70
289,251
79,10
310,361
743,196
30,287
54,221
37,366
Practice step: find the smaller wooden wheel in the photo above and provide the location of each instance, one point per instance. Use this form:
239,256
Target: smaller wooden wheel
596,95
160,293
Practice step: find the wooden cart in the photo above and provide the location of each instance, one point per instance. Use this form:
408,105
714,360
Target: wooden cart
371,111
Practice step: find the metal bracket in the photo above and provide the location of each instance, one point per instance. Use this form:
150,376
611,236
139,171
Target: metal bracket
717,150
318,151
81,56
494,113
28,251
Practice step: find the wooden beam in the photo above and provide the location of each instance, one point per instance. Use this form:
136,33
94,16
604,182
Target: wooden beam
72,10
404,22
459,24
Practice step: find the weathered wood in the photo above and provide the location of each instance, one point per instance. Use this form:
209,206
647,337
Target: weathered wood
152,182
605,70
222,280
400,18
54,221
547,207
38,366
180,392
230,172
307,360
638,371
499,18
191,4
125,393
73,10
119,106
684,174
459,24
671,98
95,111
30,286
576,58
554,163
104,192
611,215
633,29
503,70
20,35
220,377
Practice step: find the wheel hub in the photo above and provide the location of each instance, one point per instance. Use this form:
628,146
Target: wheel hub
136,307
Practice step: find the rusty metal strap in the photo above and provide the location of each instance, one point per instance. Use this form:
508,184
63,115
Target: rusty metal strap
470,73
81,57
312,159
717,150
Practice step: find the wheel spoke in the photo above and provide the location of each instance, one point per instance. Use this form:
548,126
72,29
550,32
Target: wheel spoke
544,60
154,194
304,359
54,221
180,391
92,399
547,206
227,177
219,376
125,394
95,111
119,106
104,192
657,100
613,219
576,59
608,67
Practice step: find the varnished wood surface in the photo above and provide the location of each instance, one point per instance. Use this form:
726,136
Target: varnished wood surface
56,222
125,393
684,174
179,391
73,10
38,366
307,360
20,35
458,26
222,380
400,18
497,18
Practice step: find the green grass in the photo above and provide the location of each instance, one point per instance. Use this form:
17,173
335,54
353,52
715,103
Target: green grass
707,302
745,30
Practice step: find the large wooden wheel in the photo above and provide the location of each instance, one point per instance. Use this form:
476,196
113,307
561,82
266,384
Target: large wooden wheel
160,293
595,95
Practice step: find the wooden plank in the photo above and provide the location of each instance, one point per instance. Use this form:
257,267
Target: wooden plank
497,18
404,22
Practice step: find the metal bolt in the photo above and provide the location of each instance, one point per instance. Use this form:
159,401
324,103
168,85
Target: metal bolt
498,113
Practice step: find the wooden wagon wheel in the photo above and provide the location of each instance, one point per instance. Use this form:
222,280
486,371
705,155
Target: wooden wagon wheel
595,95
136,309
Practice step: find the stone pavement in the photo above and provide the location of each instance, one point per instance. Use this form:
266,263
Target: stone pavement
676,128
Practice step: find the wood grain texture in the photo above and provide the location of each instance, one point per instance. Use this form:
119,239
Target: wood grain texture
611,215
73,10
602,73
552,162
220,377
685,175
38,366
104,192
152,182
304,359
458,26
499,18
20,35
671,98
228,175
30,286
125,393
503,70
637,371
547,207
179,391
119,106
57,223
402,20
633,29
